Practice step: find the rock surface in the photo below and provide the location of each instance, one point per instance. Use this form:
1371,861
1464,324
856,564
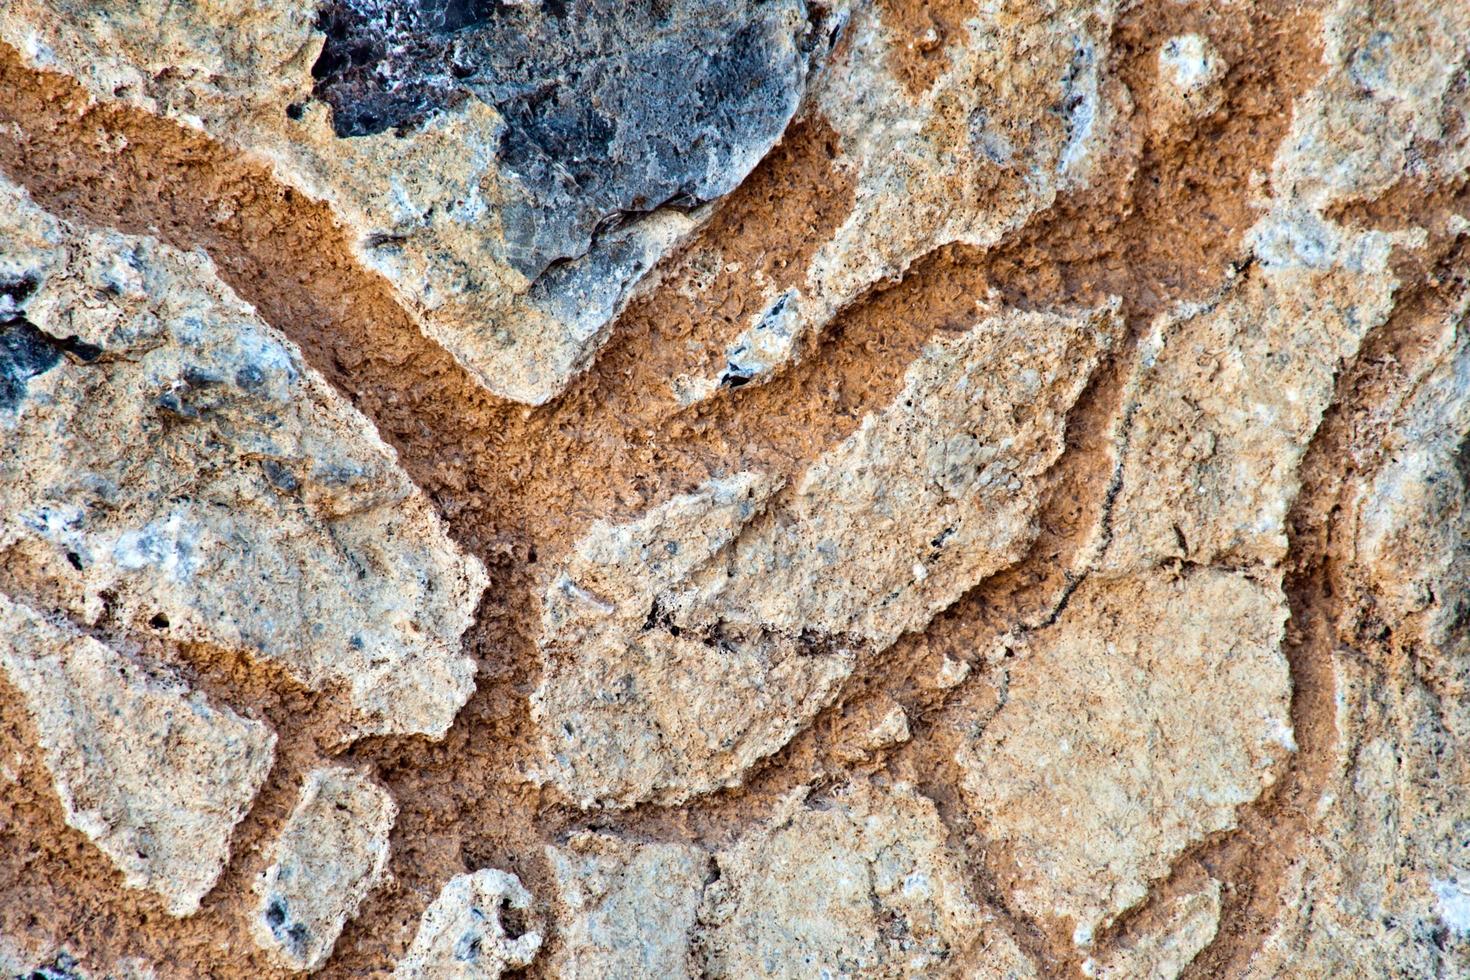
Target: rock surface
176,468
153,773
656,629
626,909
332,851
462,934
858,885
512,169
972,488
1134,726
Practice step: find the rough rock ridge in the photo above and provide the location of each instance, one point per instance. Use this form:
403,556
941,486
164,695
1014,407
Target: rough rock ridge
850,488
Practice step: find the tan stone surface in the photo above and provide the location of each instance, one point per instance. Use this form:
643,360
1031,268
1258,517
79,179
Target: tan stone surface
971,488
331,852
462,934
625,908
153,773
1133,726
1190,921
189,475
860,884
424,202
657,630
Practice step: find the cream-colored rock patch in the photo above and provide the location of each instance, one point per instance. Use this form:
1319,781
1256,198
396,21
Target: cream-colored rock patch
1133,726
462,935
332,851
1189,923
446,206
860,884
152,772
1024,112
625,908
174,465
683,647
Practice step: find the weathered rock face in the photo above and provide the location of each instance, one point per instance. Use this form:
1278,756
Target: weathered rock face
512,169
154,774
331,853
655,630
1134,726
462,935
626,909
175,468
1019,526
860,885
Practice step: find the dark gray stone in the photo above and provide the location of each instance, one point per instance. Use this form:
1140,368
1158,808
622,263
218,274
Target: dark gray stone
613,109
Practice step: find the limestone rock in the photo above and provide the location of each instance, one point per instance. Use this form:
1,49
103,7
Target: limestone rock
626,909
1380,890
1023,112
683,647
1134,726
462,934
862,885
331,853
513,224
1209,478
1190,71
174,466
153,773
1188,924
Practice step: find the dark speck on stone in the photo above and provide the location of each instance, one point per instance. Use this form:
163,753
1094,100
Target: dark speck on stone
250,377
27,351
613,108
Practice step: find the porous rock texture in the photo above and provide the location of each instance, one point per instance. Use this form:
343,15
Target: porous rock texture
853,488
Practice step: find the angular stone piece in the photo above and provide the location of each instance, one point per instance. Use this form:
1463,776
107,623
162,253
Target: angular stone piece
332,851
1023,112
173,464
462,937
626,909
681,648
153,773
1133,726
1188,923
512,169
862,884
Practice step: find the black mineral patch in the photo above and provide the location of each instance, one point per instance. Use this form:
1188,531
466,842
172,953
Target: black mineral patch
25,349
613,108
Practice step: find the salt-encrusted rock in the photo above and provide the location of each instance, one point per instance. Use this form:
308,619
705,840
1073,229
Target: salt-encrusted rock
1187,923
332,851
173,465
683,647
462,935
512,169
153,773
1023,112
1133,726
625,908
858,884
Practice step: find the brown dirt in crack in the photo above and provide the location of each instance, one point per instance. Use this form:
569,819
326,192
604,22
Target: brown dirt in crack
517,485
927,31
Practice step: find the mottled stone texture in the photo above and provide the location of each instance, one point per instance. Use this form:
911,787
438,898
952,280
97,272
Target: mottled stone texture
153,773
331,853
175,468
769,488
